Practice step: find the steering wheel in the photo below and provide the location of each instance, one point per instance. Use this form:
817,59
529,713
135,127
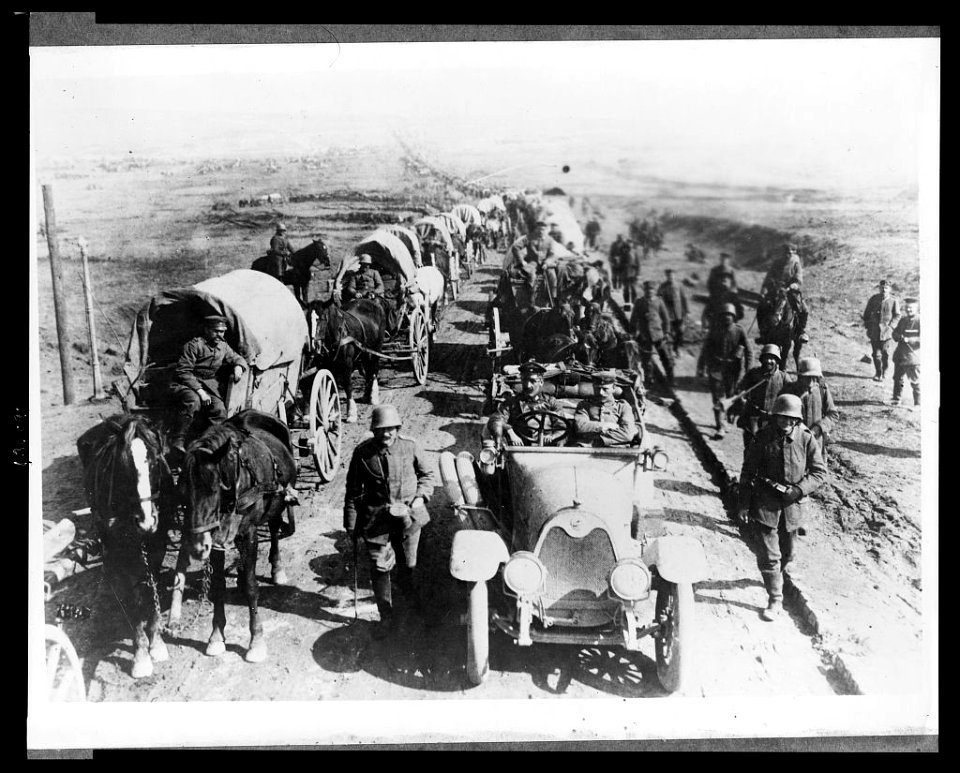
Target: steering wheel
541,417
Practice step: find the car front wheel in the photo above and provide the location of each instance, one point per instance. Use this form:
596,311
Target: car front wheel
478,634
675,611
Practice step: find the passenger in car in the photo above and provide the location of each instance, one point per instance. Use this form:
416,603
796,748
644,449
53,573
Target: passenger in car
507,422
603,420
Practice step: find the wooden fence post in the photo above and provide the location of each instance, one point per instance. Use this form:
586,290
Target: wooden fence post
59,304
91,323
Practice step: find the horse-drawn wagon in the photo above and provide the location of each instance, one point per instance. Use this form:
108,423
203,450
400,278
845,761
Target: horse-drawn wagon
265,325
568,541
439,251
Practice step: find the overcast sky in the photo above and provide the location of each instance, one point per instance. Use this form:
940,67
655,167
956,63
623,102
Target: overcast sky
751,111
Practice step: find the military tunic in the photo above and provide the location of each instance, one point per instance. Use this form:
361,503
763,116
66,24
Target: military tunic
759,402
906,357
516,405
604,424
880,318
362,284
650,323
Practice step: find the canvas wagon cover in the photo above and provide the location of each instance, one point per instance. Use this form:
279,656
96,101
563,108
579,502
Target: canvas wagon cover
410,239
390,255
265,323
556,211
454,223
439,226
468,214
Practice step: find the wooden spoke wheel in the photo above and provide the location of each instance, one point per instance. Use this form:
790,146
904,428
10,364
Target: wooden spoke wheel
64,673
420,345
325,425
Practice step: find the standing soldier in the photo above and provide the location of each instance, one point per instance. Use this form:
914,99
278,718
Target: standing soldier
591,230
650,323
715,280
781,468
630,265
388,485
724,295
675,299
725,351
616,260
280,249
194,386
906,357
820,413
880,318
755,404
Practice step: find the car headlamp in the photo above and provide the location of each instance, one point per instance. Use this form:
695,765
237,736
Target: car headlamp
659,459
524,574
630,580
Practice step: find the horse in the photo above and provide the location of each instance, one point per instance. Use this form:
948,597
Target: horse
605,345
236,476
436,255
295,270
133,502
544,330
337,333
433,285
782,321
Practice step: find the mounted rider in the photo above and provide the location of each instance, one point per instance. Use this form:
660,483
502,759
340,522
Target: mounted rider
280,249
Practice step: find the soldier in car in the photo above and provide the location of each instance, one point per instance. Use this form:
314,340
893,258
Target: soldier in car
365,282
389,483
782,466
194,387
507,423
603,420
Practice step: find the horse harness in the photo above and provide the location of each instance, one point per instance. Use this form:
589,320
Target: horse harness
230,505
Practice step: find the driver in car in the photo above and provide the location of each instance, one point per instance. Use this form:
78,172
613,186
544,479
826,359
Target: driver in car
603,420
508,421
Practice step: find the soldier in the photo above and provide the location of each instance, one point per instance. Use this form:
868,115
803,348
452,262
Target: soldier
591,230
388,485
630,267
753,408
604,420
906,357
820,413
724,295
722,269
784,271
675,299
365,282
280,248
617,254
194,386
529,254
725,350
650,323
781,467
880,318
505,423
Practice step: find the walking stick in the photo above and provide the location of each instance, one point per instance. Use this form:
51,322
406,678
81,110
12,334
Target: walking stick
356,562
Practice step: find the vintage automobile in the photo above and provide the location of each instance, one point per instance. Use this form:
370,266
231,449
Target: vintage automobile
566,534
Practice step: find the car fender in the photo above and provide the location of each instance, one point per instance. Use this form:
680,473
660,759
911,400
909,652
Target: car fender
476,555
677,559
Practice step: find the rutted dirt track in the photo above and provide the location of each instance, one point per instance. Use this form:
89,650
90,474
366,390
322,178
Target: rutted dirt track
318,651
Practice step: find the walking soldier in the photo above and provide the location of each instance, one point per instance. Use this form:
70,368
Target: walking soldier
820,413
906,357
880,318
755,403
724,352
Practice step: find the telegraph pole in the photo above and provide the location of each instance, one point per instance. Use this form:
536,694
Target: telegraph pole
59,304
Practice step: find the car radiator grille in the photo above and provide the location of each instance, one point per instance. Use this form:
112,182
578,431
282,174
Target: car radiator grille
577,570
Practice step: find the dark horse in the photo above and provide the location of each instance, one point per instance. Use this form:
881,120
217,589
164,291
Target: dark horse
133,502
604,344
236,476
342,336
782,321
295,271
548,333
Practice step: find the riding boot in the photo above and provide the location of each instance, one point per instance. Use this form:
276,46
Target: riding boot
897,391
773,582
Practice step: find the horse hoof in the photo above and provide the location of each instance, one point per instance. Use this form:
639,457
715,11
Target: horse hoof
159,652
256,654
216,648
142,668
280,578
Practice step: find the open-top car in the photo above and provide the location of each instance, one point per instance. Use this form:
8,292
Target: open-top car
563,533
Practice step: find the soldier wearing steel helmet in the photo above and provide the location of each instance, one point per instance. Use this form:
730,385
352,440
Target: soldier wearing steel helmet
752,409
365,282
280,248
820,413
782,466
725,354
388,485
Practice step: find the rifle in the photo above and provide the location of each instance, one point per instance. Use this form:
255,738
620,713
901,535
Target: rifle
727,402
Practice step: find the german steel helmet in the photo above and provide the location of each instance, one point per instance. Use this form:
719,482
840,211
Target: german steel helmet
809,366
385,416
729,308
770,350
788,405
366,260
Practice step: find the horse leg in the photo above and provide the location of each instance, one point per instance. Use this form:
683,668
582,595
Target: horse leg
257,651
217,643
277,574
372,372
179,582
348,390
142,664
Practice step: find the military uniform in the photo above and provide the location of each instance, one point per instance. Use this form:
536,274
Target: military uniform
604,424
619,251
820,413
717,302
724,352
197,369
759,403
675,300
650,323
280,248
516,405
880,318
906,357
630,266
376,479
715,280
792,460
362,284
784,272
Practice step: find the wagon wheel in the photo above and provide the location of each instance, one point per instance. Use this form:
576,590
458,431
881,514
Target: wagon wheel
674,611
64,673
419,332
325,425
